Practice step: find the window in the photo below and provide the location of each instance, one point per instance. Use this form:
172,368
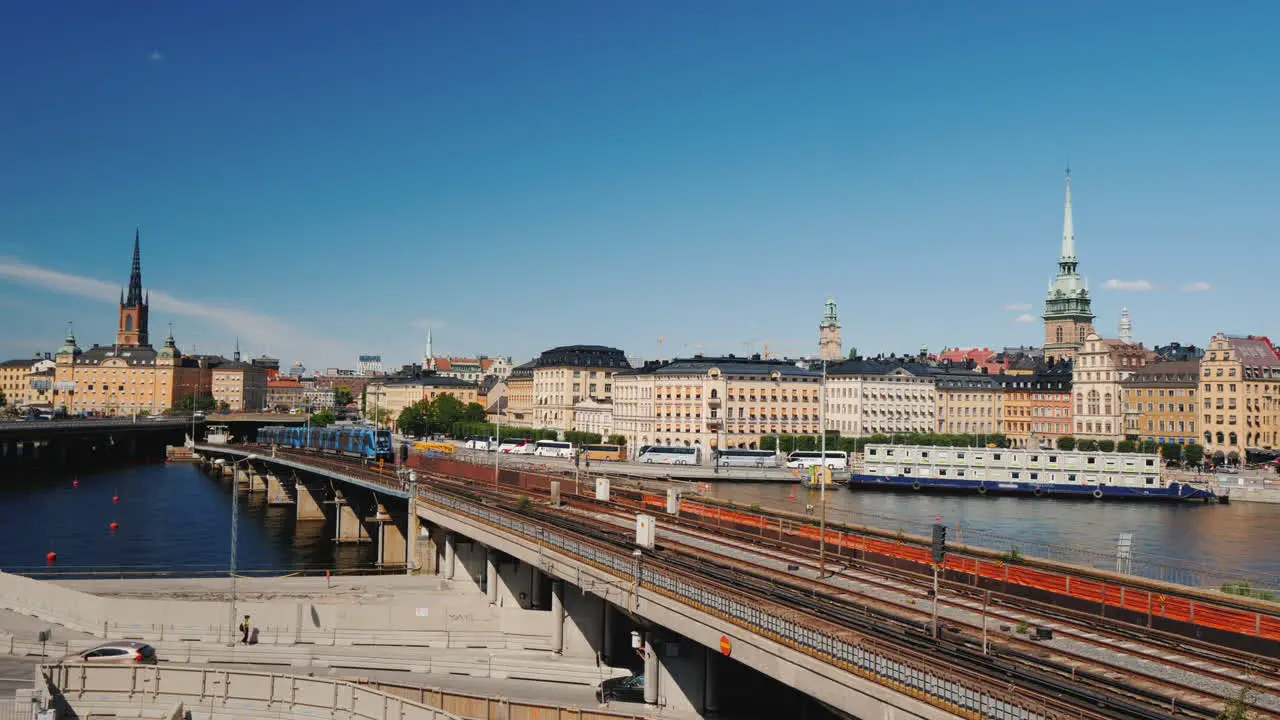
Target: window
1057,334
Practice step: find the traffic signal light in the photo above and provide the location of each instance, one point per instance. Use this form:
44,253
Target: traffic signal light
939,546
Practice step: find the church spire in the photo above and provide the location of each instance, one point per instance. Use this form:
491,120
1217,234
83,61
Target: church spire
134,296
1068,229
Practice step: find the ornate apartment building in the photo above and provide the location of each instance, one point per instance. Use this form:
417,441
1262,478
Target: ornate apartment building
1068,311
519,396
879,395
1037,404
710,402
1240,397
27,381
1101,369
1160,402
565,376
968,402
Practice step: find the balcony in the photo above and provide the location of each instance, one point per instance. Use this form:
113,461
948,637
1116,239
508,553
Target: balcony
713,402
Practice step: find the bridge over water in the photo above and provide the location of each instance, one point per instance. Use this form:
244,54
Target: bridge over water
725,586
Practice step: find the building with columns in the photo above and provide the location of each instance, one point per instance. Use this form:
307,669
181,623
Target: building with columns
1101,369
830,345
1068,311
129,376
1240,397
880,395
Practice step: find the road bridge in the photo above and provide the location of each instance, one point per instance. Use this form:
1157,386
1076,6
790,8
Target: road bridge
72,444
727,587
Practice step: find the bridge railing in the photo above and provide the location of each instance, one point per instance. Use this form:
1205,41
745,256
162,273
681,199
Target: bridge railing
964,692
85,690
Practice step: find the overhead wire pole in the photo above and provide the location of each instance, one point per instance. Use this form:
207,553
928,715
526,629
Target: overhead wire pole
823,472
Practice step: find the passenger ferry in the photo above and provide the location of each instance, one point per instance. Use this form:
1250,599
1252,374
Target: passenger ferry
1038,473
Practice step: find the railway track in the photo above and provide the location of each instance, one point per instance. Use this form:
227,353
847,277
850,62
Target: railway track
1030,669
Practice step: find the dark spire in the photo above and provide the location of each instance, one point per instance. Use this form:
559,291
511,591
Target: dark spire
135,276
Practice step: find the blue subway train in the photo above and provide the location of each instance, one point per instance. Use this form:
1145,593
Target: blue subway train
356,441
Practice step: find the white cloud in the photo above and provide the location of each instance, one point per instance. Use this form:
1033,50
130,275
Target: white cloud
258,329
1128,285
1025,318
1018,306
156,56
1197,286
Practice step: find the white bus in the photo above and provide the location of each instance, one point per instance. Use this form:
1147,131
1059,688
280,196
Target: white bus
553,448
736,457
515,446
669,455
480,442
836,459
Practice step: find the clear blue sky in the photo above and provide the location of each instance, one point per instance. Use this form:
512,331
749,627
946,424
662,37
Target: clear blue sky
330,178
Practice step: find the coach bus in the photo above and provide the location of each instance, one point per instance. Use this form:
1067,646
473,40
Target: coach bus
836,459
605,452
737,457
669,455
553,448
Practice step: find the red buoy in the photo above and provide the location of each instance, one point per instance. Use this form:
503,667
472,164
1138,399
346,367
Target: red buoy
114,526
75,483
937,518
115,498
50,557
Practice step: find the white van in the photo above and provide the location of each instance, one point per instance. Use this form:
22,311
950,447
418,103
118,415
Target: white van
480,442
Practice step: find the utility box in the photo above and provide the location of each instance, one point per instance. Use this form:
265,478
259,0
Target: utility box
646,530
673,501
555,493
602,489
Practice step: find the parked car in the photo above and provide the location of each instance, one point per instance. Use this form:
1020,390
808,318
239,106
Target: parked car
624,689
124,651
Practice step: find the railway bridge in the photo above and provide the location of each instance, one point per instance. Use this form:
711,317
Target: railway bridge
71,444
721,596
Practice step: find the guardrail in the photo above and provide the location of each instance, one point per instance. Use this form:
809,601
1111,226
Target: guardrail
913,673
470,705
86,689
111,424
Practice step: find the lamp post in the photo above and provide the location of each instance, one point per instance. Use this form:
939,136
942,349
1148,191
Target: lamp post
235,526
822,478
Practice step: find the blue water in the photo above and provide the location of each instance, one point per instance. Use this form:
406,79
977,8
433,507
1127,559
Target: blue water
1241,539
170,516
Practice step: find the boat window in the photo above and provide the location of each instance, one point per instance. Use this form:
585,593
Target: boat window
959,473
1014,474
1053,458
1071,477
889,452
1151,481
1035,476
906,470
871,451
924,453
995,456
1090,460
942,472
959,456
1150,462
1035,458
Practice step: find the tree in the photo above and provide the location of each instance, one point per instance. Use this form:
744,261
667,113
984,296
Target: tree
192,403
380,416
1150,447
364,399
473,412
224,407
620,440
2,399
1087,445
1066,442
412,421
342,396
1171,452
1193,454
444,411
323,418
1126,446
1107,445
769,442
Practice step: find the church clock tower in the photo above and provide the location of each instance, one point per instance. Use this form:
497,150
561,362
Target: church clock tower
1068,311
134,307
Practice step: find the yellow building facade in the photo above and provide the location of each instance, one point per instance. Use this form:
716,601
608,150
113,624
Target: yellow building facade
1240,397
393,394
1160,402
567,375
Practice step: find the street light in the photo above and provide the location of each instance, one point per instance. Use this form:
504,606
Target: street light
822,487
235,525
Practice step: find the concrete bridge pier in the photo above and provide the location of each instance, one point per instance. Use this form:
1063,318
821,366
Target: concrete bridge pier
491,575
651,678
347,526
710,674
392,545
309,499
557,617
450,554
276,492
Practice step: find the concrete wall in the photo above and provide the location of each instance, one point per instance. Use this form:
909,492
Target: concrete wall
464,613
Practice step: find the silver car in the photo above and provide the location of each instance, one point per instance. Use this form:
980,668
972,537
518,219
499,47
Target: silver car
124,651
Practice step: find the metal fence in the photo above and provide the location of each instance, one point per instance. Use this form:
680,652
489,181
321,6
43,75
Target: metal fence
12,708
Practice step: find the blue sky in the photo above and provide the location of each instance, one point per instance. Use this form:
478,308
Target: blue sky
333,180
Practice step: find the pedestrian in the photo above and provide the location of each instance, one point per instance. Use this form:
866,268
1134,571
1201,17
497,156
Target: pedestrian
244,631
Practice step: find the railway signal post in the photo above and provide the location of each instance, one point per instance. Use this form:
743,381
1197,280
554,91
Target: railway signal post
938,553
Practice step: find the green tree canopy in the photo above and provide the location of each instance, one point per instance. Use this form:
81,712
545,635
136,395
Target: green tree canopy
1107,445
1171,451
1193,454
412,420
473,412
2,399
618,440
1126,446
1150,447
1067,443
323,418
192,403
342,396
444,411
224,407
1087,445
